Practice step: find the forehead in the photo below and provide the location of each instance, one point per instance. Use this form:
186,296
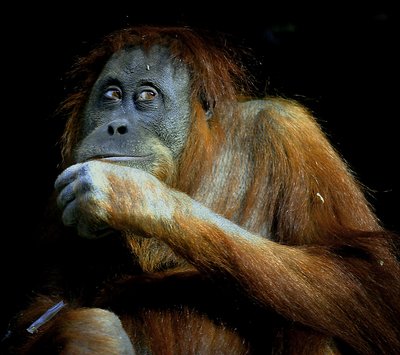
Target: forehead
136,60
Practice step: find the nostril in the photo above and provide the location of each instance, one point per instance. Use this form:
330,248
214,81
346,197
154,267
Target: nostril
114,129
122,129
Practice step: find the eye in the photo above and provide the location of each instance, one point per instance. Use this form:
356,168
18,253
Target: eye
146,95
113,93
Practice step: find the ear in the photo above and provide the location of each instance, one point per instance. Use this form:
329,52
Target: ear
208,105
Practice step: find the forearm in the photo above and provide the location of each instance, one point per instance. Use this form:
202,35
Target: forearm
310,285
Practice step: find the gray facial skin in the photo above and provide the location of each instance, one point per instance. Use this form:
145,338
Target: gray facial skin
138,107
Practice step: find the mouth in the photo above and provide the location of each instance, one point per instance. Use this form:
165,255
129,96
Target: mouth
121,158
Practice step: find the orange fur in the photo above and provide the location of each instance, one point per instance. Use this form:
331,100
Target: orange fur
271,245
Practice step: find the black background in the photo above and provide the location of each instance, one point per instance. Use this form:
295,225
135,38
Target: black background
341,62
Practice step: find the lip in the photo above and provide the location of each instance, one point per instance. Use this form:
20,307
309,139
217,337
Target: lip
121,158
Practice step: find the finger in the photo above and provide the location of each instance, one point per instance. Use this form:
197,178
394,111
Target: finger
66,196
66,177
69,216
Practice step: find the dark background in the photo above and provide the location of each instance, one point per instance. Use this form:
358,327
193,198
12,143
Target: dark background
341,62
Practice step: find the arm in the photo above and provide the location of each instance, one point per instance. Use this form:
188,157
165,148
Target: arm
341,295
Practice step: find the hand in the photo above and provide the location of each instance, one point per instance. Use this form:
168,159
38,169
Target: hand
96,195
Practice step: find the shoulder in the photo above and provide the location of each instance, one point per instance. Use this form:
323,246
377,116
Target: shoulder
273,108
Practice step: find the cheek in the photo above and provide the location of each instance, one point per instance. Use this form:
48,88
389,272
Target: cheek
90,117
174,131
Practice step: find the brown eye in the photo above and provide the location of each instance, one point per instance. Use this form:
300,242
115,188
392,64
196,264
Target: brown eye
146,95
113,94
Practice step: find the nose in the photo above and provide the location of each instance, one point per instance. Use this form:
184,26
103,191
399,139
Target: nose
117,127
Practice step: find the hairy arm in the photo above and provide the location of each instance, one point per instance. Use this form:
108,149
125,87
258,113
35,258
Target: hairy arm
340,294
